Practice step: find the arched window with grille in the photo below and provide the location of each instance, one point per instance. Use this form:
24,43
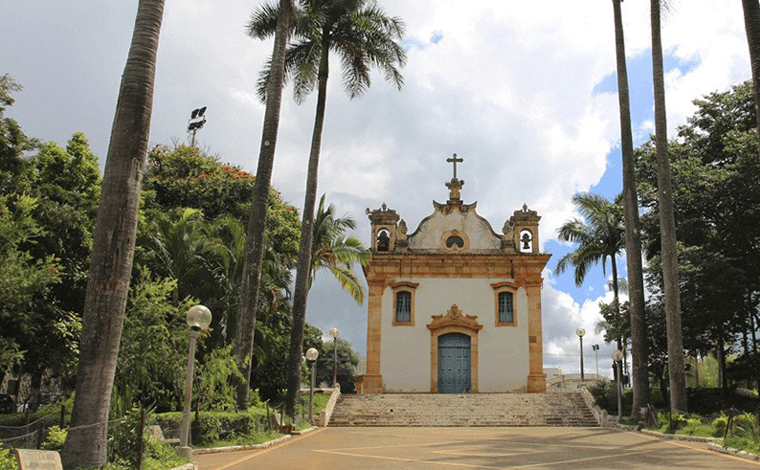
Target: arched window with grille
403,307
506,314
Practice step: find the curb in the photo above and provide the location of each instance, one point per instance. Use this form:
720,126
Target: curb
679,437
627,427
187,466
217,450
735,452
304,431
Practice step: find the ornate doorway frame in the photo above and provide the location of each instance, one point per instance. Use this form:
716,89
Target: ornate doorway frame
454,322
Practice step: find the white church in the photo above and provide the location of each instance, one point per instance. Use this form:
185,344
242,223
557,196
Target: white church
454,307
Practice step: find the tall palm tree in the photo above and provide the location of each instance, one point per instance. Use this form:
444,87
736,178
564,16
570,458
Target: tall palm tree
667,223
362,35
639,347
254,251
335,252
113,246
752,26
600,237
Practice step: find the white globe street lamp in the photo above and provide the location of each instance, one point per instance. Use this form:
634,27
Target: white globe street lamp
198,319
334,333
580,332
312,355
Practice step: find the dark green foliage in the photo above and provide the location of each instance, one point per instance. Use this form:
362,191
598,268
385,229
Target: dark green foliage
348,360
715,167
216,424
605,396
152,358
26,281
708,401
183,177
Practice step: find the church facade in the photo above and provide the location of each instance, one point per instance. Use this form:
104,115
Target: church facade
454,307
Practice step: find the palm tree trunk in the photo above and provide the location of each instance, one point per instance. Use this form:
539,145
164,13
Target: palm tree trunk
667,225
257,222
616,301
639,348
307,235
113,246
752,26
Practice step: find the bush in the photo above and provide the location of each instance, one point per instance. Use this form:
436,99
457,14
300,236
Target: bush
122,439
746,426
7,461
215,424
55,439
719,425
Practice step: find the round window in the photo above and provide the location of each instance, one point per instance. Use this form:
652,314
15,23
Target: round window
453,241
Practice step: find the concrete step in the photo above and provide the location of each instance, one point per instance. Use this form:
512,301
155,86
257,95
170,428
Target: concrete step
502,409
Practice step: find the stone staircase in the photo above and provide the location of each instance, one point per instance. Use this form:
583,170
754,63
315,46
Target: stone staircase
488,409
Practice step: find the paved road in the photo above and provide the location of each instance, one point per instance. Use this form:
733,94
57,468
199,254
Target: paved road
474,448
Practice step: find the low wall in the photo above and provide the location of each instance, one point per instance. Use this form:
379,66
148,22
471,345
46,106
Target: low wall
325,415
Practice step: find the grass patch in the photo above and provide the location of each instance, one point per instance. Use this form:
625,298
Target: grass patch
243,440
742,443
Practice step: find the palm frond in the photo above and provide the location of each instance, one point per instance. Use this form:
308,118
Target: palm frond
349,282
263,22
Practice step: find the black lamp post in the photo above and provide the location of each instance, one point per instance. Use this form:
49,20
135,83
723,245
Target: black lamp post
312,355
334,333
580,332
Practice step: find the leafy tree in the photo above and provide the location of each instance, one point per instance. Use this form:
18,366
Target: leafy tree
363,36
26,281
632,225
113,246
716,174
672,294
15,171
154,343
257,222
348,361
182,177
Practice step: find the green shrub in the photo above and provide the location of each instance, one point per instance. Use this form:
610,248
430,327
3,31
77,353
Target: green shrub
719,425
7,461
122,439
215,425
746,426
55,439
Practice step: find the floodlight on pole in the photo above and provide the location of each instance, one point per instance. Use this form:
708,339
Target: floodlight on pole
595,347
197,121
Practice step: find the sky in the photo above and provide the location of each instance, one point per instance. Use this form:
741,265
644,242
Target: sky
525,92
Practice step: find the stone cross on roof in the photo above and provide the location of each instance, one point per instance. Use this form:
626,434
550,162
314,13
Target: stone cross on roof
455,160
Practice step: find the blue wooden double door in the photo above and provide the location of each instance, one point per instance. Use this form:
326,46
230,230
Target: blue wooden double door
454,363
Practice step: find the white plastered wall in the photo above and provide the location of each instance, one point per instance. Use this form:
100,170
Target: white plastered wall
475,228
503,359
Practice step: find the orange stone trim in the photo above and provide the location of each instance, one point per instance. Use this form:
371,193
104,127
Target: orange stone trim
536,376
372,380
